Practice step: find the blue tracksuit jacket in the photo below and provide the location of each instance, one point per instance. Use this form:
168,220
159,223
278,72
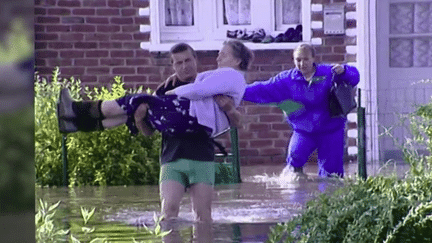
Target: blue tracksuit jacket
313,116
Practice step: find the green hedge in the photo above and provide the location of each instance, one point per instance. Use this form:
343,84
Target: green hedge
110,157
378,209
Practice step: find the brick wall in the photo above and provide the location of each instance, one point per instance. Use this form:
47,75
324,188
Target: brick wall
95,40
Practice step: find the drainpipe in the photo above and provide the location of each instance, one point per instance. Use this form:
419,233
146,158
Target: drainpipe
361,122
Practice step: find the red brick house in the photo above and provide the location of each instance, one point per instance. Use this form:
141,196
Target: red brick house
95,40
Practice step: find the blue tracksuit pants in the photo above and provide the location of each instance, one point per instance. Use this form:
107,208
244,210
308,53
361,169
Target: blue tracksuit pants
330,150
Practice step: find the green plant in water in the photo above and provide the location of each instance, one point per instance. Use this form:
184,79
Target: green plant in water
158,232
49,229
46,230
86,230
86,214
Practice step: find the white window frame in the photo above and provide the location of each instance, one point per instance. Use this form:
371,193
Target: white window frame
179,33
279,19
208,32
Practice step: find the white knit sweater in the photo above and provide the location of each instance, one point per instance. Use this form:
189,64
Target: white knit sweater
226,81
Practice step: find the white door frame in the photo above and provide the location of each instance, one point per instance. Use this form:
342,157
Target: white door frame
367,65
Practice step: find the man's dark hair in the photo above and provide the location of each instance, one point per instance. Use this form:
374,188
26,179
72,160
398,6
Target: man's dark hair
181,47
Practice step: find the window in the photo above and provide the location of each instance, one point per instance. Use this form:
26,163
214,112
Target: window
410,34
204,23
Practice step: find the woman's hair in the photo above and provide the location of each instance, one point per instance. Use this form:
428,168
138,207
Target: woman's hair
181,47
239,50
307,47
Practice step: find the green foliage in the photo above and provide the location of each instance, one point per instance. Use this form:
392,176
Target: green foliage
109,157
224,173
364,211
378,209
50,228
18,43
158,232
47,230
422,127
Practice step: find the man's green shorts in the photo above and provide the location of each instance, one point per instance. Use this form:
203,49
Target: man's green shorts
188,172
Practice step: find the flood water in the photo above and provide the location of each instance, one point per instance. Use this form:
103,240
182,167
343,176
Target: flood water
241,212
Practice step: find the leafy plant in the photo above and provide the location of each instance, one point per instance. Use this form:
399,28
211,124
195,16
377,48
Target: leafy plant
86,230
49,228
158,232
46,230
109,157
378,209
361,211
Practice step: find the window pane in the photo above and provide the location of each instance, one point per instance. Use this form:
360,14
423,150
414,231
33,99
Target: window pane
291,11
237,12
401,52
401,18
179,13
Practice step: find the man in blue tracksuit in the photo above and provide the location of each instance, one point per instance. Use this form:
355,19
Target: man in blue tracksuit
308,85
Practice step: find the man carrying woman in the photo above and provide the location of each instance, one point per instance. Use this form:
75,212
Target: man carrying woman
186,161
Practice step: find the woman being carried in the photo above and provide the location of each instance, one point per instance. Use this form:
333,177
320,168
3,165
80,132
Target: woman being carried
188,109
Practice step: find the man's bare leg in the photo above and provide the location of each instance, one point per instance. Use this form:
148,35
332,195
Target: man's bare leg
203,232
201,198
171,193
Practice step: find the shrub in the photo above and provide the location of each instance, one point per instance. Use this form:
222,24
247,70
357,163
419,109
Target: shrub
378,209
374,210
109,157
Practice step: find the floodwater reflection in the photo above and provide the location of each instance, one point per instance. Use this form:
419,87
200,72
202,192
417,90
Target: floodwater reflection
241,212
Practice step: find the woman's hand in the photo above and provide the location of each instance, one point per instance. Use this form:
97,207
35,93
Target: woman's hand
338,69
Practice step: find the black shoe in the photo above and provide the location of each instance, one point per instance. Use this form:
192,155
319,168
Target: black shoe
245,35
258,35
288,35
66,126
268,39
232,33
279,38
64,105
297,36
